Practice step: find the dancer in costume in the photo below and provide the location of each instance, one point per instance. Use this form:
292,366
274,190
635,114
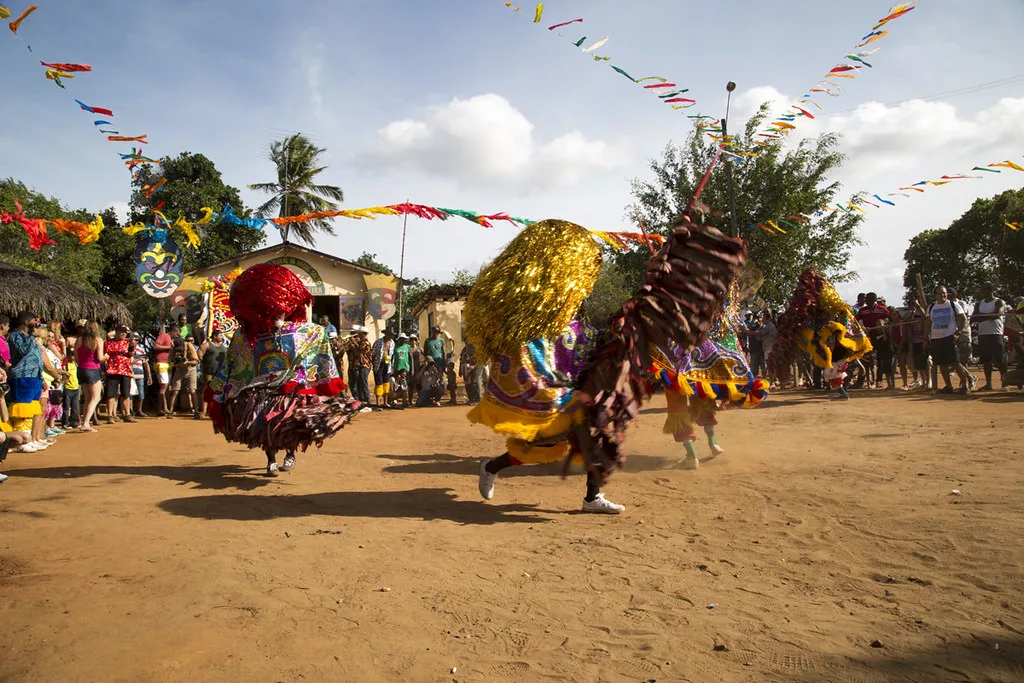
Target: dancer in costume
278,387
559,392
819,323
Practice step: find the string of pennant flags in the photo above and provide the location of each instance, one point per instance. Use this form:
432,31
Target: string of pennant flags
668,93
59,72
86,233
863,200
853,63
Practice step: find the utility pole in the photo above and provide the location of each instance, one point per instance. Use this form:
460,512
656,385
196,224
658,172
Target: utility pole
733,219
284,202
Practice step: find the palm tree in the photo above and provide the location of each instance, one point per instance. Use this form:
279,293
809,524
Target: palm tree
296,192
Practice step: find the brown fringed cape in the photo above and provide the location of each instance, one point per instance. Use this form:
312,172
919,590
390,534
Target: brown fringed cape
685,286
259,415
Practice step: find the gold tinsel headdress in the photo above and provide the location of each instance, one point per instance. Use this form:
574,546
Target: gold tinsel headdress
533,288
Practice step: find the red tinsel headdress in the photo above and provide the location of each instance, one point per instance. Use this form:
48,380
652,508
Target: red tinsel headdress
264,292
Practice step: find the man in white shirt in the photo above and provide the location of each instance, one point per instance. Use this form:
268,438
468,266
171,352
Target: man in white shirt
988,313
943,323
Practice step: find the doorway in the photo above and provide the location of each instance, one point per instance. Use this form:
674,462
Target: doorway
327,305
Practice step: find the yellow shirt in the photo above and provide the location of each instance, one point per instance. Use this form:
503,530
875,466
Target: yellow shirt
72,383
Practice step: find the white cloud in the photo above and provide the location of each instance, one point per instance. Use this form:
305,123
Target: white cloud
312,70
485,141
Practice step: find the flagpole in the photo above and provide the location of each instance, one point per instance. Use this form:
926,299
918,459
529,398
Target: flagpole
401,273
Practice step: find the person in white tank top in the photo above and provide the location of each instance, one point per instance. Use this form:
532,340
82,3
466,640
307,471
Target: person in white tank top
989,312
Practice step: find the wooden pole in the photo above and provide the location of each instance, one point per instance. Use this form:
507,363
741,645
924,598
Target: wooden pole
401,273
920,292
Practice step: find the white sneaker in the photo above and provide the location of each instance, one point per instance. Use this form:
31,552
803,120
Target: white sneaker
41,445
486,481
3,477
29,447
289,463
367,409
602,505
690,464
272,470
716,450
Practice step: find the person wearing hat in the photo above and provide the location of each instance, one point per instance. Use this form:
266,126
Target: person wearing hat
381,352
360,359
433,348
400,366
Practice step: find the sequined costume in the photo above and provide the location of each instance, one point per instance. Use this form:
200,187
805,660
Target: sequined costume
530,397
278,387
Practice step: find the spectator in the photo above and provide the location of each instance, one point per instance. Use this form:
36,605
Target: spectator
417,362
186,361
400,370
328,325
944,323
431,385
920,361
71,417
141,375
53,351
900,342
748,318
120,352
989,311
861,300
963,340
211,355
90,354
755,346
381,352
873,316
472,374
5,362
433,348
360,362
162,364
453,386
769,334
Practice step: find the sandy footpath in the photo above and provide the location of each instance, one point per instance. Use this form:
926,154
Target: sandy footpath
825,545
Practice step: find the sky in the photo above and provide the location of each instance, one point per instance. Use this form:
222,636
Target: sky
467,104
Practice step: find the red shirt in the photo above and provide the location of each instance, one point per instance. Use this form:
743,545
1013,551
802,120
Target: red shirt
119,357
872,316
163,356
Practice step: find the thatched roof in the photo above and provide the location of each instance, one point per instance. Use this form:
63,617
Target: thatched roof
52,299
440,293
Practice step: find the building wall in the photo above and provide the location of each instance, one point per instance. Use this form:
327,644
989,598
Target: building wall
448,316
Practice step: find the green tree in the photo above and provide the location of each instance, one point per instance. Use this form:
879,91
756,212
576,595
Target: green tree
370,262
296,192
780,181
78,264
977,247
613,287
193,182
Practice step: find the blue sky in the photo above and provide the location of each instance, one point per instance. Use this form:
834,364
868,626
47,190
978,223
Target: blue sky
466,104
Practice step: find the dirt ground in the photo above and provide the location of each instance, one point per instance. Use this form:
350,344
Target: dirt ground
829,543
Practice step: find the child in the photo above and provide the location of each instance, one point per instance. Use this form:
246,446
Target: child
450,374
72,395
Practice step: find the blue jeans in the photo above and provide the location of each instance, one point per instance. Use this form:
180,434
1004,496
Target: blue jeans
361,390
140,385
71,403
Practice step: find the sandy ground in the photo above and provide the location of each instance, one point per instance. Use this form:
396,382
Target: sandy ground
826,545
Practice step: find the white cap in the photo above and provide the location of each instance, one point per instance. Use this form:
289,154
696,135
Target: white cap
402,335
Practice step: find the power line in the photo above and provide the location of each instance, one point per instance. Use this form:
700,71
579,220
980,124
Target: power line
949,93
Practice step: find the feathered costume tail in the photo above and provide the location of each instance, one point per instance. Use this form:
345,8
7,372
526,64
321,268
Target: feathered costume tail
685,286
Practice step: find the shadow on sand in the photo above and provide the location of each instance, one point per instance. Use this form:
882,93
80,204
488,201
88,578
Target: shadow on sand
213,477
425,504
445,463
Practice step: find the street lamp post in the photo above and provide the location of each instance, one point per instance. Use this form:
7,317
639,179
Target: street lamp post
733,219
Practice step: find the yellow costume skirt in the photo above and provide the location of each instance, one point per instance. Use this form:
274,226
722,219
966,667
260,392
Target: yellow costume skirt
529,432
684,411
